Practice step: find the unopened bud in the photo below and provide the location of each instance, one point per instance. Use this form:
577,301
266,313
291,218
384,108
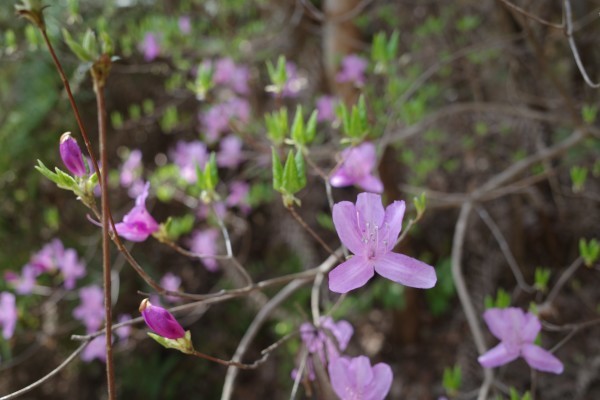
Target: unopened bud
161,321
71,155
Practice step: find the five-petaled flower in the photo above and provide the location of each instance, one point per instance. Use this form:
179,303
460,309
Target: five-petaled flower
517,331
370,232
138,224
356,169
161,321
355,379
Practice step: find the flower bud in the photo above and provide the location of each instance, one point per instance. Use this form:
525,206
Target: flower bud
71,155
161,321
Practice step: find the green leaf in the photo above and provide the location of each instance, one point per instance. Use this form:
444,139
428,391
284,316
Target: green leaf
277,171
277,125
301,169
297,133
311,127
291,184
589,251
89,43
76,48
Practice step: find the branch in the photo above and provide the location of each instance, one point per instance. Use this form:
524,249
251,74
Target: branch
531,16
573,45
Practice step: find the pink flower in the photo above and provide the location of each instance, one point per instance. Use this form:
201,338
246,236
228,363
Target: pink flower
91,309
131,172
150,46
216,120
357,169
161,321
326,342
517,331
295,83
138,224
71,155
355,379
353,70
238,196
8,314
229,74
187,156
230,152
49,257
185,24
326,108
25,283
96,349
124,331
370,232
205,243
71,268
171,282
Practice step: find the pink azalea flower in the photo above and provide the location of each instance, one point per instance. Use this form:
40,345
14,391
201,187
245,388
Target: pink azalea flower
295,83
517,331
49,257
71,155
161,321
96,349
229,74
353,70
357,169
71,268
185,24
138,224
124,331
130,173
25,283
355,379
91,309
326,342
326,108
187,156
8,314
370,232
205,243
216,120
238,196
171,282
150,46
230,152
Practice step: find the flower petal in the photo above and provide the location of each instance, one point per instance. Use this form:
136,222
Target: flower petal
339,373
350,275
406,270
345,220
531,327
381,383
370,183
370,210
341,179
394,214
541,359
496,321
497,356
361,374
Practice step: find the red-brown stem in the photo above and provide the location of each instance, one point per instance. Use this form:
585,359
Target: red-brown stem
101,107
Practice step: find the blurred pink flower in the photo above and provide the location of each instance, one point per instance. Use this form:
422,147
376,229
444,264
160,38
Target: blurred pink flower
131,173
370,232
71,268
171,282
91,309
230,152
295,83
326,108
216,120
204,243
353,70
124,331
138,224
238,196
185,24
187,156
517,331
8,314
231,75
355,379
96,349
49,257
357,169
150,46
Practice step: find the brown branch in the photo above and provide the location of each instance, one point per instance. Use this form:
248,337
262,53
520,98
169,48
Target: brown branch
531,16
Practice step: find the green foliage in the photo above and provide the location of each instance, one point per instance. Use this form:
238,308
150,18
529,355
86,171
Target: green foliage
502,300
578,178
589,113
515,395
542,277
175,227
208,180
277,125
170,119
325,221
355,122
384,50
277,74
589,251
204,82
452,380
301,134
420,203
290,178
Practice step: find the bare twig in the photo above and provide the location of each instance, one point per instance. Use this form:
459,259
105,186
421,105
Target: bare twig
307,228
531,16
573,45
563,280
48,376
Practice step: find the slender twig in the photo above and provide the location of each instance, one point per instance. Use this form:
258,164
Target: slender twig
514,266
48,376
573,45
252,331
314,298
563,280
531,16
307,228
99,71
303,360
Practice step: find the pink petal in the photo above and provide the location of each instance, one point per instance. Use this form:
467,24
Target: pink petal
350,275
542,360
346,225
369,183
394,214
379,387
370,210
497,356
406,270
362,374
531,328
340,179
339,373
496,321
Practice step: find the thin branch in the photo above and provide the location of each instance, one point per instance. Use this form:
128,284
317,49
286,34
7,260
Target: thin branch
514,266
314,298
563,280
307,228
573,45
532,16
48,376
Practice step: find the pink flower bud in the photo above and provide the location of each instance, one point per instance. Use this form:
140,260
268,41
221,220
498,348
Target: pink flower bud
71,155
161,321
